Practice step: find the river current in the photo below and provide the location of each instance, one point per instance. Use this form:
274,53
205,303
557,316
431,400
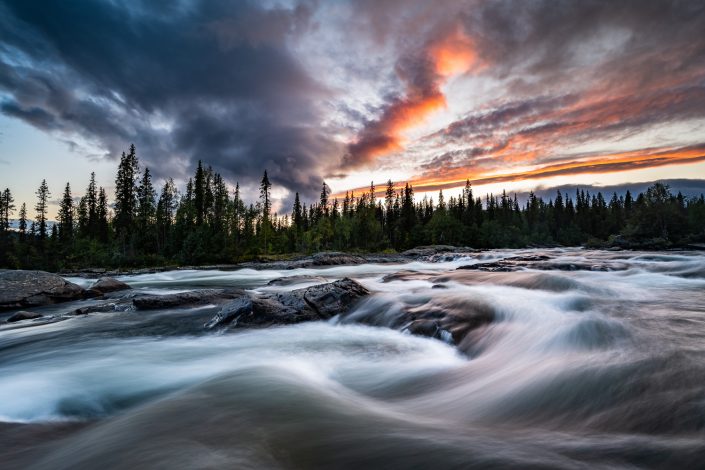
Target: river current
595,359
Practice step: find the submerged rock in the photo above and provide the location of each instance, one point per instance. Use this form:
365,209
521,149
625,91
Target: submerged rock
24,315
287,281
20,288
107,284
185,299
231,312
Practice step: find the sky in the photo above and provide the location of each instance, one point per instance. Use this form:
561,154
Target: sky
510,94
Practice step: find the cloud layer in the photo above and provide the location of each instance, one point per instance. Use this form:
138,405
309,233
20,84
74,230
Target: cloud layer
487,90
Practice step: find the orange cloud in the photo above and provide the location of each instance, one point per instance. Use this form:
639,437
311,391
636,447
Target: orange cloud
612,163
442,59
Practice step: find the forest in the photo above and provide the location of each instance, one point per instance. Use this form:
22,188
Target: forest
207,223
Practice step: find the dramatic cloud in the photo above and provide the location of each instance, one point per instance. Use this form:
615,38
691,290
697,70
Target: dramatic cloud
434,92
184,81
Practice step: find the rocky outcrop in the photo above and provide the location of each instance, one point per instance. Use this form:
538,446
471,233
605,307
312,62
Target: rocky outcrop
23,315
186,299
319,302
543,263
429,250
287,281
107,284
20,289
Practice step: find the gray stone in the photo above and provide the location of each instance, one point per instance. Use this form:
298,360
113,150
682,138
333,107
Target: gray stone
108,284
24,315
20,288
185,299
231,312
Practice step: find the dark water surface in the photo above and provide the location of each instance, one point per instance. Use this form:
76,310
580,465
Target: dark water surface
595,360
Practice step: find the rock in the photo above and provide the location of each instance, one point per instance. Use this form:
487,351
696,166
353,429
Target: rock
406,275
334,298
333,258
287,281
421,251
23,315
185,299
319,302
108,284
111,307
231,312
20,288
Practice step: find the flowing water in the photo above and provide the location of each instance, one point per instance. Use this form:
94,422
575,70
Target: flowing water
594,359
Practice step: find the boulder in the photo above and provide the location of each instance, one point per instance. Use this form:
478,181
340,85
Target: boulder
107,284
185,299
319,302
334,258
20,288
421,251
333,298
103,308
287,281
23,315
231,312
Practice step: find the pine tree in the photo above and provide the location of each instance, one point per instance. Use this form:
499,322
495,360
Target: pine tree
7,207
265,198
23,221
146,211
102,216
41,209
91,207
199,193
126,197
66,216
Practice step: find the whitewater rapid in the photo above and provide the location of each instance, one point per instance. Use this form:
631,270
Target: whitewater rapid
593,359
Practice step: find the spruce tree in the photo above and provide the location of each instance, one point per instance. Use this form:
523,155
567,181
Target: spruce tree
66,216
146,211
23,221
265,198
102,216
91,207
41,209
7,207
126,197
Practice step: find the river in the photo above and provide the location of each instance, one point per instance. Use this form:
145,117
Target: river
595,359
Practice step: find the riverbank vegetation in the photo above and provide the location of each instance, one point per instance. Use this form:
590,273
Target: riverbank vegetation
208,223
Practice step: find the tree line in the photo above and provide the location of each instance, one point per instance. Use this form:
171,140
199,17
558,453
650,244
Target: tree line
207,223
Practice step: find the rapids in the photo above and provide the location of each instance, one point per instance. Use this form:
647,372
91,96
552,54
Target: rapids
594,359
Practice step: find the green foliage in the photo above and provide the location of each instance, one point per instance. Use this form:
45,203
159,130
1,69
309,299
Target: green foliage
206,224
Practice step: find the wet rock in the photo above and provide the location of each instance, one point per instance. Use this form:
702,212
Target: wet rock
406,275
185,299
287,281
332,258
23,315
104,308
231,312
334,298
20,288
421,251
319,302
107,284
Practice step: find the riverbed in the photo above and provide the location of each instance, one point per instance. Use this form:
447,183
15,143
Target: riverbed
593,359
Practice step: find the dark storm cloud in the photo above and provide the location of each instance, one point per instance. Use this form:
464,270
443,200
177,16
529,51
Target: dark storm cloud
211,80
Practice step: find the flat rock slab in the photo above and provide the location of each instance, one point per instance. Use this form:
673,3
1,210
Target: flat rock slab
19,288
185,299
319,302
